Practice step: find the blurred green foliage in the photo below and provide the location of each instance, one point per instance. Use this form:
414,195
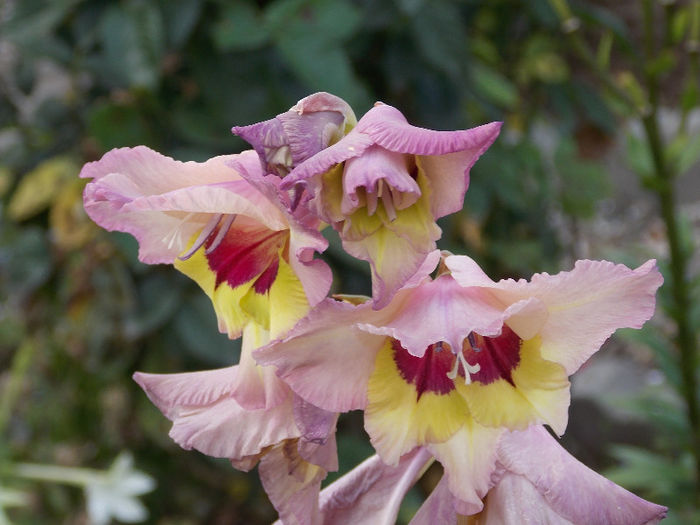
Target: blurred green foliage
79,77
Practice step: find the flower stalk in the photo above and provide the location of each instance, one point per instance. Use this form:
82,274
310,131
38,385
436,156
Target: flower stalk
661,183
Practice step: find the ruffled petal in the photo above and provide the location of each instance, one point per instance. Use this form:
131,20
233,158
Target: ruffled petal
205,416
443,310
469,460
584,306
514,500
571,489
372,492
226,430
389,129
315,423
170,392
325,359
292,484
163,202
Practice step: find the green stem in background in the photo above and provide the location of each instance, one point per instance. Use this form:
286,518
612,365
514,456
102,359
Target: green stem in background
20,364
662,186
680,286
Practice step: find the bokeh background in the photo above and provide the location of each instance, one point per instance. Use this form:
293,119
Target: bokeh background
573,175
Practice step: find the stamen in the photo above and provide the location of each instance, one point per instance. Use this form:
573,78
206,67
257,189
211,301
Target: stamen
468,369
371,199
203,236
223,230
472,341
389,206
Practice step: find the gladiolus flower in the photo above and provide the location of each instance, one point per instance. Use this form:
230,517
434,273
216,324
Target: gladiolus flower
451,363
383,186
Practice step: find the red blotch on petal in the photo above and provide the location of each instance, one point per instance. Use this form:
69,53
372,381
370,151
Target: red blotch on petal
245,254
497,356
427,373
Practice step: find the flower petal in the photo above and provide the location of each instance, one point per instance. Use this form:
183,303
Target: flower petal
311,361
133,187
399,416
443,310
469,460
372,492
539,393
389,129
226,430
292,484
438,507
315,423
584,306
571,489
170,392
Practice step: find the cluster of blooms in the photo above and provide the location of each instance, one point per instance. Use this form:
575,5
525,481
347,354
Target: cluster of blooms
447,364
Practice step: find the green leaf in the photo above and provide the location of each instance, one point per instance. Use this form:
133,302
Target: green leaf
441,37
679,24
179,19
689,154
494,86
118,125
133,39
583,183
639,157
239,27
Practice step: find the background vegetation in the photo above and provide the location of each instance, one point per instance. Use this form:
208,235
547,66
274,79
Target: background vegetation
597,158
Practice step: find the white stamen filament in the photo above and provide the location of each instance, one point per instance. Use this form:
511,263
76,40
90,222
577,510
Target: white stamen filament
385,193
223,230
468,369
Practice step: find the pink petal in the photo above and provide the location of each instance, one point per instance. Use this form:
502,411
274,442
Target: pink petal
170,392
292,484
438,310
205,416
164,202
304,130
372,492
324,358
584,306
438,508
389,129
256,387
314,423
324,455
226,430
571,489
469,460
377,165
514,500
352,145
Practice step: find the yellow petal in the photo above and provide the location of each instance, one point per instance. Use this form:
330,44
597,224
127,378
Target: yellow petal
397,421
540,394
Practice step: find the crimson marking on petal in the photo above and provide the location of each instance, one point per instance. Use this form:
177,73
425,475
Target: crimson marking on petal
246,254
264,282
427,373
496,356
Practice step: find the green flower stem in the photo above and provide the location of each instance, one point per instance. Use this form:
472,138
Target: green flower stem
67,475
662,186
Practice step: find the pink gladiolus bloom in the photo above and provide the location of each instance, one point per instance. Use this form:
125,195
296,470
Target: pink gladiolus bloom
293,441
537,481
241,247
451,363
383,186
